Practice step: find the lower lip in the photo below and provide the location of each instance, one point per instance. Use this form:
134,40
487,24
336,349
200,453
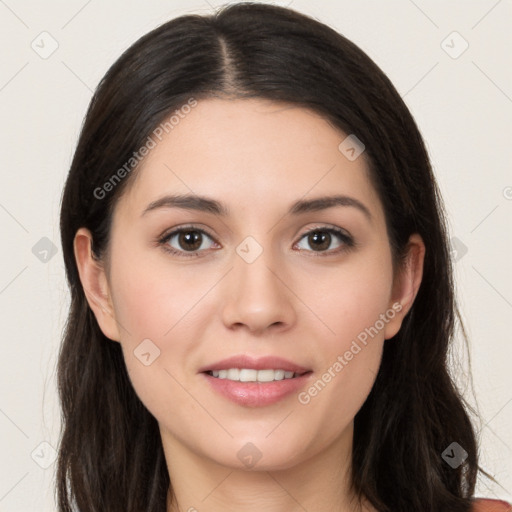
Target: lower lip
257,394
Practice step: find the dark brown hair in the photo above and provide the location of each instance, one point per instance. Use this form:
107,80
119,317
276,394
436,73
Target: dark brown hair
110,455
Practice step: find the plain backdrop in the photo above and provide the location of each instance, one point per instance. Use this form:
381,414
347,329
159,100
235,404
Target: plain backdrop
449,60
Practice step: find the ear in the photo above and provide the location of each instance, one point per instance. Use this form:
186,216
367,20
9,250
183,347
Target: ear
95,284
406,284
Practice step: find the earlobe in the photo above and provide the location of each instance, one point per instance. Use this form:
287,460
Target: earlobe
95,284
407,283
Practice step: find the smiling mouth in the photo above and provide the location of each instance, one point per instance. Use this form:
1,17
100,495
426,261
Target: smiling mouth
252,375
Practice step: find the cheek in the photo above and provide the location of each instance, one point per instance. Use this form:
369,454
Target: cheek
161,322
356,310
354,298
153,317
150,299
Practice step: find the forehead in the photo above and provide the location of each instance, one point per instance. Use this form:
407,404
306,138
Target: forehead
249,153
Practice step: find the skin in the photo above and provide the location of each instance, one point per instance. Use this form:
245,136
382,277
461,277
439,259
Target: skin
257,157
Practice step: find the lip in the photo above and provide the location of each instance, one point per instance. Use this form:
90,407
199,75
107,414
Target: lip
255,363
256,394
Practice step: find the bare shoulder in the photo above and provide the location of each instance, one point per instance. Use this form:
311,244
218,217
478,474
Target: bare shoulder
487,505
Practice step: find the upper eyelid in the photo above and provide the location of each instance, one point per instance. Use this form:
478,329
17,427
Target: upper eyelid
168,234
166,237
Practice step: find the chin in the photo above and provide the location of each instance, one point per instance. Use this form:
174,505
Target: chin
260,453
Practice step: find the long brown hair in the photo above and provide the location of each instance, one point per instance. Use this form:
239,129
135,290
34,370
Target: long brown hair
110,455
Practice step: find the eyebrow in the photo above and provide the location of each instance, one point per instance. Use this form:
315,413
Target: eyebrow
208,205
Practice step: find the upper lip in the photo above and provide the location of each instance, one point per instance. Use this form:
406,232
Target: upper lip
256,363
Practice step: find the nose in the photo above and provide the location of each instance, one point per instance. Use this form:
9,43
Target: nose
258,295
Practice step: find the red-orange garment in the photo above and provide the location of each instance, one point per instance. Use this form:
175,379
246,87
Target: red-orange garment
486,505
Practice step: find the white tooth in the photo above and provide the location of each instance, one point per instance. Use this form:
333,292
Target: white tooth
265,375
279,375
251,375
233,374
248,375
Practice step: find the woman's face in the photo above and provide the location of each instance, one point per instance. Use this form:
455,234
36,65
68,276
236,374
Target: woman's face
259,280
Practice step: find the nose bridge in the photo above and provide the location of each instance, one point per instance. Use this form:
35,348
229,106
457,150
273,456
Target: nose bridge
254,262
257,295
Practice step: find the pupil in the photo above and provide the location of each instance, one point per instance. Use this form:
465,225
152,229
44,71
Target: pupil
186,237
324,236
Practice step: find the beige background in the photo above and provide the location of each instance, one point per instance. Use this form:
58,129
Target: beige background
462,104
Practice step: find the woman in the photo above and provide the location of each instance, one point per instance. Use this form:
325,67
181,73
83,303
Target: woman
261,290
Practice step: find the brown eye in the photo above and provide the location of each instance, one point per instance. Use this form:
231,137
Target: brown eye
320,239
185,240
190,240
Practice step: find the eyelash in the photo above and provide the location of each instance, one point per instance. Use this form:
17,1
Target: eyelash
348,241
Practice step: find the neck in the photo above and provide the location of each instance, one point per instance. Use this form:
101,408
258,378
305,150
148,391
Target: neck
318,483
